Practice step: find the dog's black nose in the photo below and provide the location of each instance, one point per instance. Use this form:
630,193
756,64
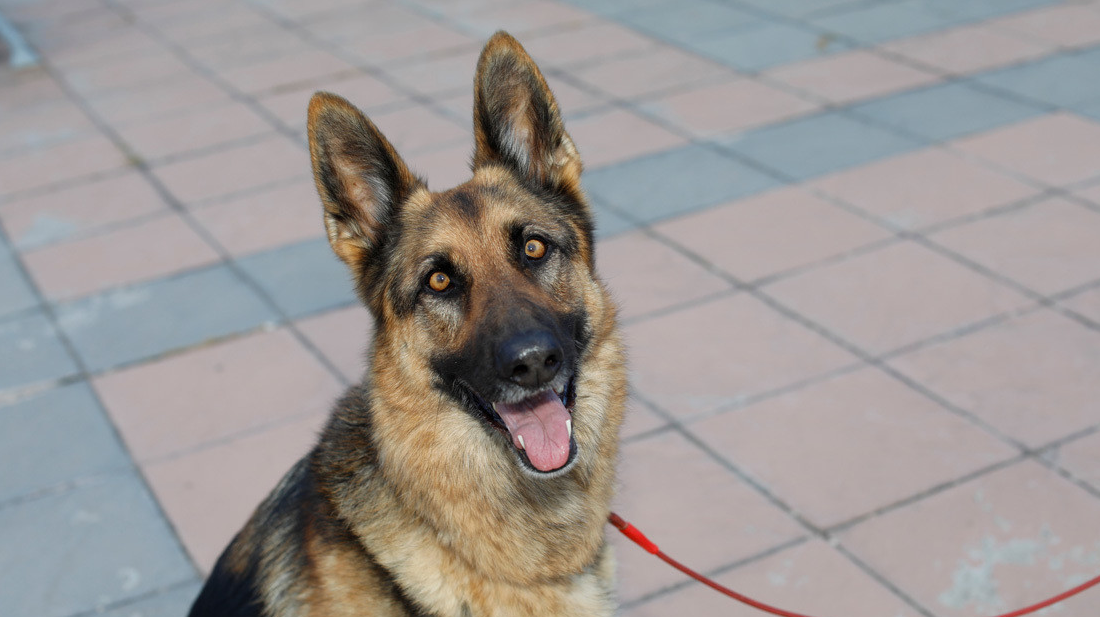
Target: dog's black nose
530,359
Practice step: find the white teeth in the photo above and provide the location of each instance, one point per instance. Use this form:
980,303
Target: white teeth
569,427
521,444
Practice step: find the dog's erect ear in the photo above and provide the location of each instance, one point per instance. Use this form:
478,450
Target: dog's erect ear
359,176
517,122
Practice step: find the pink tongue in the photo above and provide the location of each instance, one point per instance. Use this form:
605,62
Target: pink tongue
542,422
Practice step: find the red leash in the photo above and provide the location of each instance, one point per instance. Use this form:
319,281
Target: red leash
639,538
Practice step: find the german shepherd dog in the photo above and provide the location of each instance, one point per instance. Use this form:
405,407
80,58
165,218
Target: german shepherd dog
471,472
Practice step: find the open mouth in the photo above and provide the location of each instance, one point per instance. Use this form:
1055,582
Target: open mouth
539,427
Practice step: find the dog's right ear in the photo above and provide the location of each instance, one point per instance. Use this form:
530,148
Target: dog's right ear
359,176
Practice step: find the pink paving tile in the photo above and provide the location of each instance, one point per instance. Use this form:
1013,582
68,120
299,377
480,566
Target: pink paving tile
1090,194
894,296
429,39
364,91
63,162
1086,303
29,89
585,44
73,31
235,170
214,393
1050,246
810,577
292,71
851,76
42,125
850,445
128,72
46,11
298,9
923,188
670,489
722,352
433,76
443,168
771,233
123,43
712,110
1065,25
997,543
1034,378
616,135
185,95
572,100
209,495
127,255
342,336
225,21
459,7
968,49
258,44
76,211
645,275
365,20
1082,458
639,419
1056,149
265,219
196,131
160,13
645,73
523,17
419,128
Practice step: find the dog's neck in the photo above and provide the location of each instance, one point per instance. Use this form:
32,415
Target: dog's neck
470,496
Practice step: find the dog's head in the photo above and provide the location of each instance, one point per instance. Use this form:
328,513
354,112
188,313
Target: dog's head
485,293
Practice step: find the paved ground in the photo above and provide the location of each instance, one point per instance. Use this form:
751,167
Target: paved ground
857,245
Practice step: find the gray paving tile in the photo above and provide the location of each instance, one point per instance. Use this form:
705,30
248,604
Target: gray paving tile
766,46
801,8
302,278
817,145
31,352
610,7
1090,109
946,111
125,325
175,602
683,21
72,439
15,293
1063,79
674,182
975,10
876,23
85,548
609,222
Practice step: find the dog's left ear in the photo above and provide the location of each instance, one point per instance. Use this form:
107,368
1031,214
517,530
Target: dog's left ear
517,122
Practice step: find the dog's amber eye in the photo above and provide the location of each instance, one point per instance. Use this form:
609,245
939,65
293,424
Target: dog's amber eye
535,249
439,281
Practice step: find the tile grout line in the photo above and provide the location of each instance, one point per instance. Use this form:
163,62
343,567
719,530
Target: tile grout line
51,314
677,425
231,262
336,50
823,534
121,604
714,572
